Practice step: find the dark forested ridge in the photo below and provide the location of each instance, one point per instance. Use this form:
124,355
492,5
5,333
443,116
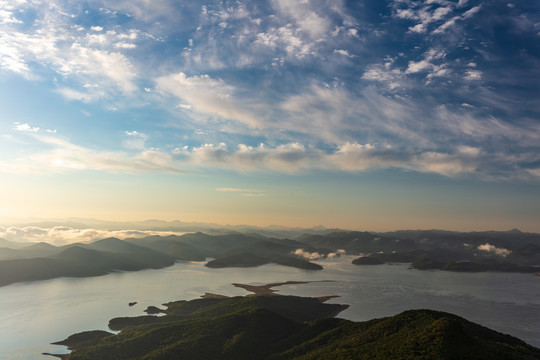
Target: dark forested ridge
454,251
289,327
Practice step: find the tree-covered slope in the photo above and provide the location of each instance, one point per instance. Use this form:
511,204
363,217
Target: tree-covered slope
266,327
83,260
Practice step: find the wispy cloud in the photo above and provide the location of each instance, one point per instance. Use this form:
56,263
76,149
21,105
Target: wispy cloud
243,192
208,96
63,156
235,190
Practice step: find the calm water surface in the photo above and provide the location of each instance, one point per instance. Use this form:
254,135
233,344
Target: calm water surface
34,314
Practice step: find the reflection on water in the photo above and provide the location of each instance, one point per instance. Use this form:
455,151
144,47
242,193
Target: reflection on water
35,314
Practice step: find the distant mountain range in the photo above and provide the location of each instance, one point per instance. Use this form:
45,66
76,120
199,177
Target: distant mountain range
289,327
454,251
162,225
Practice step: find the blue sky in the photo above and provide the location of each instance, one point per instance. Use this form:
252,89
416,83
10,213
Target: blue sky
358,114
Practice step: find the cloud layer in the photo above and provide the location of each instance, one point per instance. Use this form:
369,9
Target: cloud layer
63,235
281,86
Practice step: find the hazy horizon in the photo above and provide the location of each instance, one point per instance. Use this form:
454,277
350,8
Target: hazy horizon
67,231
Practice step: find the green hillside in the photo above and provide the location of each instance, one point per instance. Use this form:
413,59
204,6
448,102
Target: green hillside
288,327
95,259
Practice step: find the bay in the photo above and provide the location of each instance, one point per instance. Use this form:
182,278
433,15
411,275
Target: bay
34,314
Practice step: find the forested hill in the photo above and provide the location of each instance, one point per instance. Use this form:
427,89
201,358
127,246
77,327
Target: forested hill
288,327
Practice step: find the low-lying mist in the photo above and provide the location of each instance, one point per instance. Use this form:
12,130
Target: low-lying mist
63,235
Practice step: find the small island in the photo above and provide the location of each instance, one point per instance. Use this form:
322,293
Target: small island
152,310
367,260
250,260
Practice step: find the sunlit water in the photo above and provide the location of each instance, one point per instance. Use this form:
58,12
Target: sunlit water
34,314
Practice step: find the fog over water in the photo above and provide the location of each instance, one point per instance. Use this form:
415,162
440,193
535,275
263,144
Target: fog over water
34,314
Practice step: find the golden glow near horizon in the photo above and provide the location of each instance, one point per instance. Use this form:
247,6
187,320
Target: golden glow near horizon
198,200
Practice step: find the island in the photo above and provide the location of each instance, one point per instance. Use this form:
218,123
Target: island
367,260
270,326
438,259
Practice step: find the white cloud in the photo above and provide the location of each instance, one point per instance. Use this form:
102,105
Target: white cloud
425,14
62,235
76,56
450,23
88,96
293,158
323,111
472,11
7,17
288,39
418,28
25,127
315,255
306,17
291,31
494,250
65,156
357,157
112,66
342,52
385,73
418,66
287,158
473,75
208,96
335,254
307,255
135,133
124,45
378,73
406,14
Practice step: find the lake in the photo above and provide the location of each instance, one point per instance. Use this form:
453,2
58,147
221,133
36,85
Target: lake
34,314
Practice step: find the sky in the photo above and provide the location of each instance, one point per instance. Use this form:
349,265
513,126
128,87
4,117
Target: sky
369,114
